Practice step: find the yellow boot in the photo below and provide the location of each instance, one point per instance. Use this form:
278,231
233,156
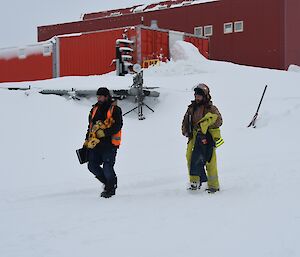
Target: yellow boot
212,173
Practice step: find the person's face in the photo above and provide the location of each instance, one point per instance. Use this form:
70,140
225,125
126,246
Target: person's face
102,98
198,98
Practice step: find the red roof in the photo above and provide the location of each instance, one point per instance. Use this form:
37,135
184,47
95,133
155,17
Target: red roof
137,8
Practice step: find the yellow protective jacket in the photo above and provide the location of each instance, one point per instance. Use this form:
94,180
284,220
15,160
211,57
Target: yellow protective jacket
208,115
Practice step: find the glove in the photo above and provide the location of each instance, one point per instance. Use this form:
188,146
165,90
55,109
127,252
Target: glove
100,133
219,142
95,127
108,123
85,144
92,143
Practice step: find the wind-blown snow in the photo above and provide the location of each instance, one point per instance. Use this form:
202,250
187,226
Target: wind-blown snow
49,204
182,50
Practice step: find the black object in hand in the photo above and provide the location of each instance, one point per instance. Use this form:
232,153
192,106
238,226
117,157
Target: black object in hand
82,155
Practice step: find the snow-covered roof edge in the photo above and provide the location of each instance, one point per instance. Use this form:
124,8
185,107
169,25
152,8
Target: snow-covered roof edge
162,5
22,52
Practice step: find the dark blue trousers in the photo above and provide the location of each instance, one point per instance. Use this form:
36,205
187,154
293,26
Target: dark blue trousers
198,160
105,157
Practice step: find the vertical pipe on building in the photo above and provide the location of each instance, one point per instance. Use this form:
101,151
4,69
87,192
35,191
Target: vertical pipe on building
139,44
55,58
284,35
208,50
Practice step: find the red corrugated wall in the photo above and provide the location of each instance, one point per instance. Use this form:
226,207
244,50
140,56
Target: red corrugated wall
155,44
291,37
33,67
89,54
92,53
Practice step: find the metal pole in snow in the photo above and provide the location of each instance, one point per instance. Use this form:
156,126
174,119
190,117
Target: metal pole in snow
252,123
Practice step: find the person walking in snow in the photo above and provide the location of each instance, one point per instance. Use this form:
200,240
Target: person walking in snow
103,139
201,124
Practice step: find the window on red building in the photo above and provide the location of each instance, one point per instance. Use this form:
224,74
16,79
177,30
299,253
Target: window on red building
238,26
198,31
208,30
228,27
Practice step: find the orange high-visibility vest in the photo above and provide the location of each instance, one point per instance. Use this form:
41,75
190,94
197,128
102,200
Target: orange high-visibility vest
115,138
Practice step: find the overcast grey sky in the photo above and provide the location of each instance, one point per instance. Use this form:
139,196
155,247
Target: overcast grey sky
19,18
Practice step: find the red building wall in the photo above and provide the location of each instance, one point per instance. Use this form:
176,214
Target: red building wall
202,45
47,32
260,44
155,44
88,54
292,35
33,67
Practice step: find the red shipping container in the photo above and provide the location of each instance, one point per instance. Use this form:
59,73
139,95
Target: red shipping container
154,44
88,54
26,64
92,53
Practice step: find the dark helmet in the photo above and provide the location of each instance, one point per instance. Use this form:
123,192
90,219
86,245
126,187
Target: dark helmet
103,91
202,89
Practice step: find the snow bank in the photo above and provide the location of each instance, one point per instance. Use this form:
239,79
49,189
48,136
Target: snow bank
294,68
185,51
187,60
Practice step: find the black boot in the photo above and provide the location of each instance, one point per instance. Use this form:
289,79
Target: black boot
108,193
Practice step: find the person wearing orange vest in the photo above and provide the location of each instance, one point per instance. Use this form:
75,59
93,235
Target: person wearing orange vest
103,139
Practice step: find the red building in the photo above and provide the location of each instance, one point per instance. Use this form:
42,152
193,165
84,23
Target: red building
91,53
252,32
34,62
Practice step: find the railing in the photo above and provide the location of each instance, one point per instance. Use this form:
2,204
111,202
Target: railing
149,63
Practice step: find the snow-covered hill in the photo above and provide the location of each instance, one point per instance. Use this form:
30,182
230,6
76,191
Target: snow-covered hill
49,204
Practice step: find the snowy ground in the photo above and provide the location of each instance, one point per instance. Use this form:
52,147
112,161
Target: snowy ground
49,204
